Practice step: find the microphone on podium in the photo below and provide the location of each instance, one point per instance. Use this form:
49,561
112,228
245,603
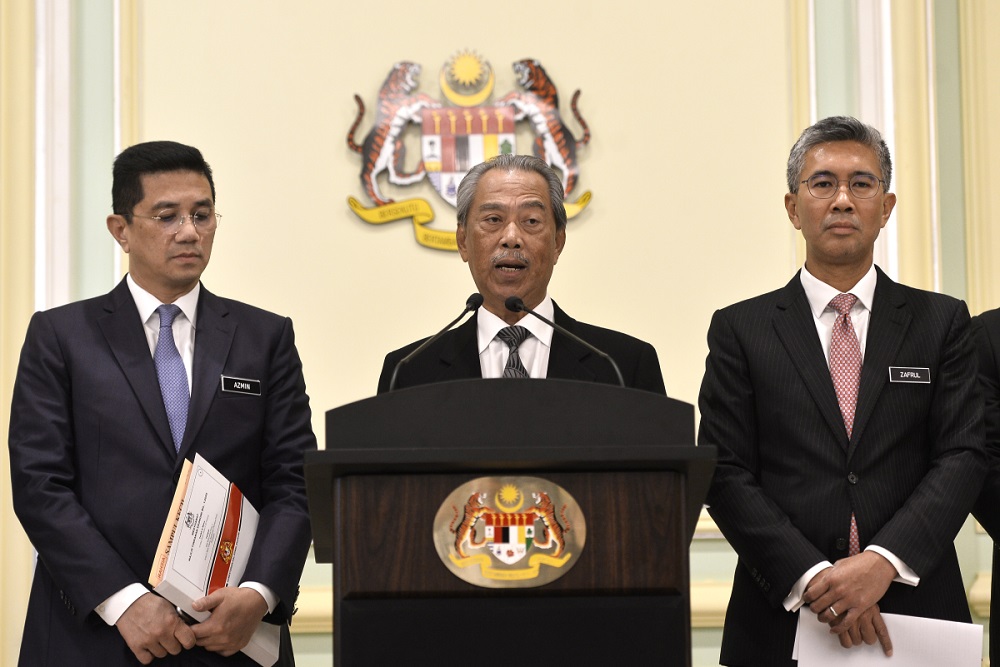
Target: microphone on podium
471,304
516,304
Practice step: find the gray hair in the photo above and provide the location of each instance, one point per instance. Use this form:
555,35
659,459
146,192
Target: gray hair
837,128
510,162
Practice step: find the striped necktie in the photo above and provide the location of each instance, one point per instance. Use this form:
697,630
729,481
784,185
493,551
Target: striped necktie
513,337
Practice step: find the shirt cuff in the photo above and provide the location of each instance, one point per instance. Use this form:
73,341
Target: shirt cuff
112,609
794,599
904,574
269,597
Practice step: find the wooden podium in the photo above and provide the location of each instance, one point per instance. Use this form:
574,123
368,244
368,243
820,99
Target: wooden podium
626,456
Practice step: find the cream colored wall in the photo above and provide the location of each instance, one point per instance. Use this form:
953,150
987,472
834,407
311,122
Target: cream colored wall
16,289
980,23
685,165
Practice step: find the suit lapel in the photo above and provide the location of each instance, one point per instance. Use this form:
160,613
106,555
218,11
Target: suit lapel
123,331
460,359
213,339
887,327
566,356
793,322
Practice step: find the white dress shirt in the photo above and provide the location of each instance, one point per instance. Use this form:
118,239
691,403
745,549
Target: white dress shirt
819,295
184,327
534,351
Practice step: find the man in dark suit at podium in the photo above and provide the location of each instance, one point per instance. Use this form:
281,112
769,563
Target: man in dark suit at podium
848,422
511,231
112,395
986,328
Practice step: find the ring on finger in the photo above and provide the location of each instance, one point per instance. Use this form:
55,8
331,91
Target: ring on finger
833,611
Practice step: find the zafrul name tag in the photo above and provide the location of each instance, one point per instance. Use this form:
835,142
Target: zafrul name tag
241,386
909,374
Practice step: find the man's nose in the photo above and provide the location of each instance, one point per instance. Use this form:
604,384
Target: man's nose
511,237
843,199
187,230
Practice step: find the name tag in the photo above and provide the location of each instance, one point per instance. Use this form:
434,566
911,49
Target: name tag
909,374
241,386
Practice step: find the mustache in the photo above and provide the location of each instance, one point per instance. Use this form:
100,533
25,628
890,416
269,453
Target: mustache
841,219
509,254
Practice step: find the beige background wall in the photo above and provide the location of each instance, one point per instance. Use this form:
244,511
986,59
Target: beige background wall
685,165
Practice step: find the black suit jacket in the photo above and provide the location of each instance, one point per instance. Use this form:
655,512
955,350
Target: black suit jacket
455,356
986,328
93,465
788,477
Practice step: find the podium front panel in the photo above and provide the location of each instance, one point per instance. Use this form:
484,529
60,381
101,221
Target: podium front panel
384,537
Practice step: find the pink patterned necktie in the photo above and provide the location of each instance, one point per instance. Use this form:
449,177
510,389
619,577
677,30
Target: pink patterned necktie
845,369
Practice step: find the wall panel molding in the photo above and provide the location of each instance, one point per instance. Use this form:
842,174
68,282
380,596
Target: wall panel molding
980,65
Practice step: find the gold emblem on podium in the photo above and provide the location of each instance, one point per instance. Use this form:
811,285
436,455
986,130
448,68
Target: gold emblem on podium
509,532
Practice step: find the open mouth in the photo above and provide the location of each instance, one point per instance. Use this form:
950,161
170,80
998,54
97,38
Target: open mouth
510,262
510,268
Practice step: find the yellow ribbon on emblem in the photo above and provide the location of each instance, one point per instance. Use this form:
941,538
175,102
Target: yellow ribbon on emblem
418,209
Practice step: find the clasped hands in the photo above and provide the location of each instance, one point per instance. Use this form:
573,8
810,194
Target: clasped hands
846,597
152,628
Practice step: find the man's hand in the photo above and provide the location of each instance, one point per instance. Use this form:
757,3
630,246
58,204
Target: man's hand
840,594
236,613
152,628
869,629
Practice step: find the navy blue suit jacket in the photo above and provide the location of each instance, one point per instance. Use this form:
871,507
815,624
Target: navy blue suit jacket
93,465
986,328
788,477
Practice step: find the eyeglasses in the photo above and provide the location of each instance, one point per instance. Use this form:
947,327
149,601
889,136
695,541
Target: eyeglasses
169,222
824,186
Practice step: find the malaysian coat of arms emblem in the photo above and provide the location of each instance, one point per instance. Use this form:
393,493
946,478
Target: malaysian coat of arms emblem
509,532
456,134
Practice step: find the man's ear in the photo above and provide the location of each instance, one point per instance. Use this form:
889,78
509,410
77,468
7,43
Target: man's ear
791,207
460,239
119,229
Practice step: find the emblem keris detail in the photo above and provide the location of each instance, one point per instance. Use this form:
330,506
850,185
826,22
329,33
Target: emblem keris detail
489,534
456,134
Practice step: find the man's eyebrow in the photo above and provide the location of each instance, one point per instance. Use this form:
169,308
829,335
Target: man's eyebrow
533,203
165,204
857,172
172,204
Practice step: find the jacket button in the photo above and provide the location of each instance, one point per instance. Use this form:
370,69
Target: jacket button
841,544
852,478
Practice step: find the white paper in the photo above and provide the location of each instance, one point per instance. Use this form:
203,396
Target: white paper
195,539
916,642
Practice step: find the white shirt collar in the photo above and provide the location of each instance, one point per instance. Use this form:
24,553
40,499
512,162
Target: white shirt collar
147,304
488,324
820,294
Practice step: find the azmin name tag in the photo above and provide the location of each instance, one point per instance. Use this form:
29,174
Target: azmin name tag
241,386
909,374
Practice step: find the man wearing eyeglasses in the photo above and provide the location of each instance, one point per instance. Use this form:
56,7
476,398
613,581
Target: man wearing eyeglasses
113,394
848,422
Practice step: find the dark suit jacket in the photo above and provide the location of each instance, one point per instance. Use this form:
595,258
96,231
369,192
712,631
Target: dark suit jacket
986,330
93,466
788,478
455,356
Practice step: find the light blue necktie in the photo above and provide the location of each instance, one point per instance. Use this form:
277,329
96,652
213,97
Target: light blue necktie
171,374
